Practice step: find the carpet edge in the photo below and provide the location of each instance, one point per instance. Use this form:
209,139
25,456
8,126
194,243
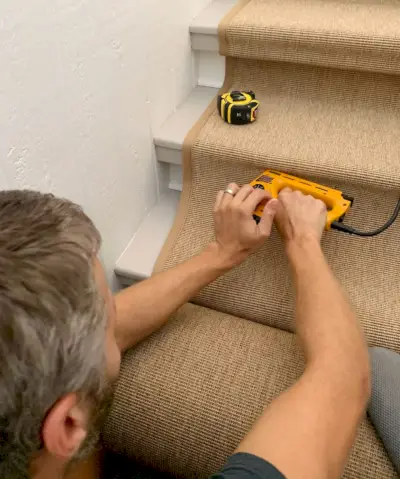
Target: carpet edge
224,24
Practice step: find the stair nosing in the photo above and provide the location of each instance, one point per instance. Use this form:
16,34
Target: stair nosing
207,22
161,216
172,134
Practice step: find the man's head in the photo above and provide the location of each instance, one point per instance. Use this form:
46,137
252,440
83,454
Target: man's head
58,354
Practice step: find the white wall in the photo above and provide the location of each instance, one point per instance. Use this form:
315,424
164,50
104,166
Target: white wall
82,84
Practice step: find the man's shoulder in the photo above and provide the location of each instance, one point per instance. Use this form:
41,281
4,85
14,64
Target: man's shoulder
248,466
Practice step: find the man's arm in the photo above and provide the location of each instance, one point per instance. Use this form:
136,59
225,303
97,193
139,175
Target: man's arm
143,308
308,431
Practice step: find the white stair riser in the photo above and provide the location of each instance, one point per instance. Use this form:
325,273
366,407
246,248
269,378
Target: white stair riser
137,261
210,67
175,177
204,42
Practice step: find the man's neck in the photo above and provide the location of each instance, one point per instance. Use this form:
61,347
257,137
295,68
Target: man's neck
49,468
45,467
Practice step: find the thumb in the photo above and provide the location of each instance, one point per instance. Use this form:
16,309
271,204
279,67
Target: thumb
267,219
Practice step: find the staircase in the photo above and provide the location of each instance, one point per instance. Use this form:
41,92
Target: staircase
137,261
327,77
318,33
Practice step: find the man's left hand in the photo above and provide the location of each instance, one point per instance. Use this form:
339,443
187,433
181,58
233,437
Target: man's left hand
237,234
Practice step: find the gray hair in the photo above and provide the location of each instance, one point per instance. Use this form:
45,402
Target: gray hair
53,319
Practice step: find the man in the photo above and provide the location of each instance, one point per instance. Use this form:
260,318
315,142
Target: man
62,335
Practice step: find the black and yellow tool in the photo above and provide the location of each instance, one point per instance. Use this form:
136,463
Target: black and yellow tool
337,203
238,107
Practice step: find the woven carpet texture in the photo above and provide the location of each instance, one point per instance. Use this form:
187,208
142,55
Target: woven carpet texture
325,74
341,34
313,123
187,396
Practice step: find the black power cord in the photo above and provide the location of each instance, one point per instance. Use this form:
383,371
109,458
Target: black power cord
348,229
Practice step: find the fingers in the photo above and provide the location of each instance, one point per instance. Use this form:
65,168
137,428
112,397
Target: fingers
268,216
255,197
221,195
287,194
246,194
218,200
299,215
243,193
243,202
227,197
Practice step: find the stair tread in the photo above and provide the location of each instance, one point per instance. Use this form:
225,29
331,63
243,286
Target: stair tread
364,123
207,21
178,125
337,127
341,34
138,259
317,122
351,19
199,383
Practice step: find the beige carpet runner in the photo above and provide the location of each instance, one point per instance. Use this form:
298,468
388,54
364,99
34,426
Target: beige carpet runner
326,76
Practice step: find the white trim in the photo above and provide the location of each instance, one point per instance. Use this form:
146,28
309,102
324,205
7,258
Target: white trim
210,69
208,20
137,261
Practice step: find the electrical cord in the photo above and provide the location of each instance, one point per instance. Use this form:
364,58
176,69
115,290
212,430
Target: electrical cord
348,229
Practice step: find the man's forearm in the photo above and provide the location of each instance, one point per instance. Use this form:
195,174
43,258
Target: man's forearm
326,323
337,362
308,430
145,307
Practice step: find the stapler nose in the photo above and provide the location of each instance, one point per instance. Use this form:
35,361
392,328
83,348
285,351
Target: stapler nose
348,198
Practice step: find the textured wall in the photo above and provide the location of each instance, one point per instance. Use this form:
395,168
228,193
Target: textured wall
82,84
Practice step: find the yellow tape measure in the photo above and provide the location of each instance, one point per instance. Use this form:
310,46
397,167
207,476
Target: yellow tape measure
238,107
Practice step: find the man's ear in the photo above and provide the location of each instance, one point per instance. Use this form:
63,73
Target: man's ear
65,427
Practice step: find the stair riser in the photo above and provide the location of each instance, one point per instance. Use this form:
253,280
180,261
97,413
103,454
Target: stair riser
204,42
210,67
175,178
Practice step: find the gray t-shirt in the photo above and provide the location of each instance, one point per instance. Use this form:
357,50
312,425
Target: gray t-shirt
247,466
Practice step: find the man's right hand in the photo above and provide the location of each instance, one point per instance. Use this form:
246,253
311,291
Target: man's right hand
299,216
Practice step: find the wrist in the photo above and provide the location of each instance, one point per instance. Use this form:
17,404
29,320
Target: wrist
300,248
221,258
